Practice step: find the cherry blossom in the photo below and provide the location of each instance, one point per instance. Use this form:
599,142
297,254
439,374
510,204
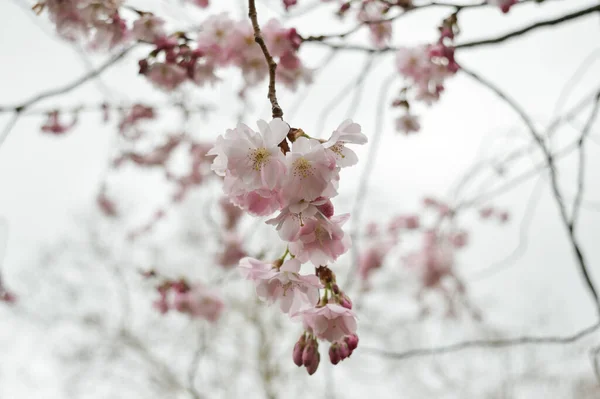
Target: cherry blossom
283,284
321,240
330,322
253,158
148,28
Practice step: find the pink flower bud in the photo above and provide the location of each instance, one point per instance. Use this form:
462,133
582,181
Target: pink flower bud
143,64
298,350
346,302
312,367
309,353
344,351
351,341
326,209
334,354
336,289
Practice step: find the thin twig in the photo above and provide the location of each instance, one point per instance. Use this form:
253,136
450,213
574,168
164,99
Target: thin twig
529,28
364,178
484,344
9,126
70,86
523,242
581,163
272,95
473,44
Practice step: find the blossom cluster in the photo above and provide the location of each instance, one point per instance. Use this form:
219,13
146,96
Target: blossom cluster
220,42
263,174
426,69
96,23
195,300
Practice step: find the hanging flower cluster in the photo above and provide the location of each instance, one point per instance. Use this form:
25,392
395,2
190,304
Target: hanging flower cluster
220,42
263,174
96,23
195,300
426,68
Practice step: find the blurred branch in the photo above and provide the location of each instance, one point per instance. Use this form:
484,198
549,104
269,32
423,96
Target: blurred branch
537,25
476,43
581,163
19,109
522,245
484,344
194,365
549,159
363,182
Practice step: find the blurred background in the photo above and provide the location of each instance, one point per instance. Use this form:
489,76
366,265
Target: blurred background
83,324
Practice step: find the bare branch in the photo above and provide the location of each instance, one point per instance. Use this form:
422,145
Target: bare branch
272,95
537,25
484,344
362,189
549,158
581,165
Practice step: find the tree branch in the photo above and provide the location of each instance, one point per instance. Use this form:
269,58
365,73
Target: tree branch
581,162
272,95
549,159
526,29
484,344
19,109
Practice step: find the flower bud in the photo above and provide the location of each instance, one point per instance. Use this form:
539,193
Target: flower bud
335,288
312,367
346,302
297,353
344,351
334,354
309,353
351,341
327,209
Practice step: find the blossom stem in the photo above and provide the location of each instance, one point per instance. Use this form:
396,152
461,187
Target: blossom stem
272,94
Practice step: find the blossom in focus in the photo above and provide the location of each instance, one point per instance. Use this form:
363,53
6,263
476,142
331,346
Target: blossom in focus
347,133
330,322
284,284
321,240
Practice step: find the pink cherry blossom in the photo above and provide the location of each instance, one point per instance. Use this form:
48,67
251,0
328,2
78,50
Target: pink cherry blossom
372,259
53,125
252,158
261,202
200,302
165,76
148,28
347,133
381,32
330,322
408,123
286,285
311,169
292,217
321,240
433,261
232,251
